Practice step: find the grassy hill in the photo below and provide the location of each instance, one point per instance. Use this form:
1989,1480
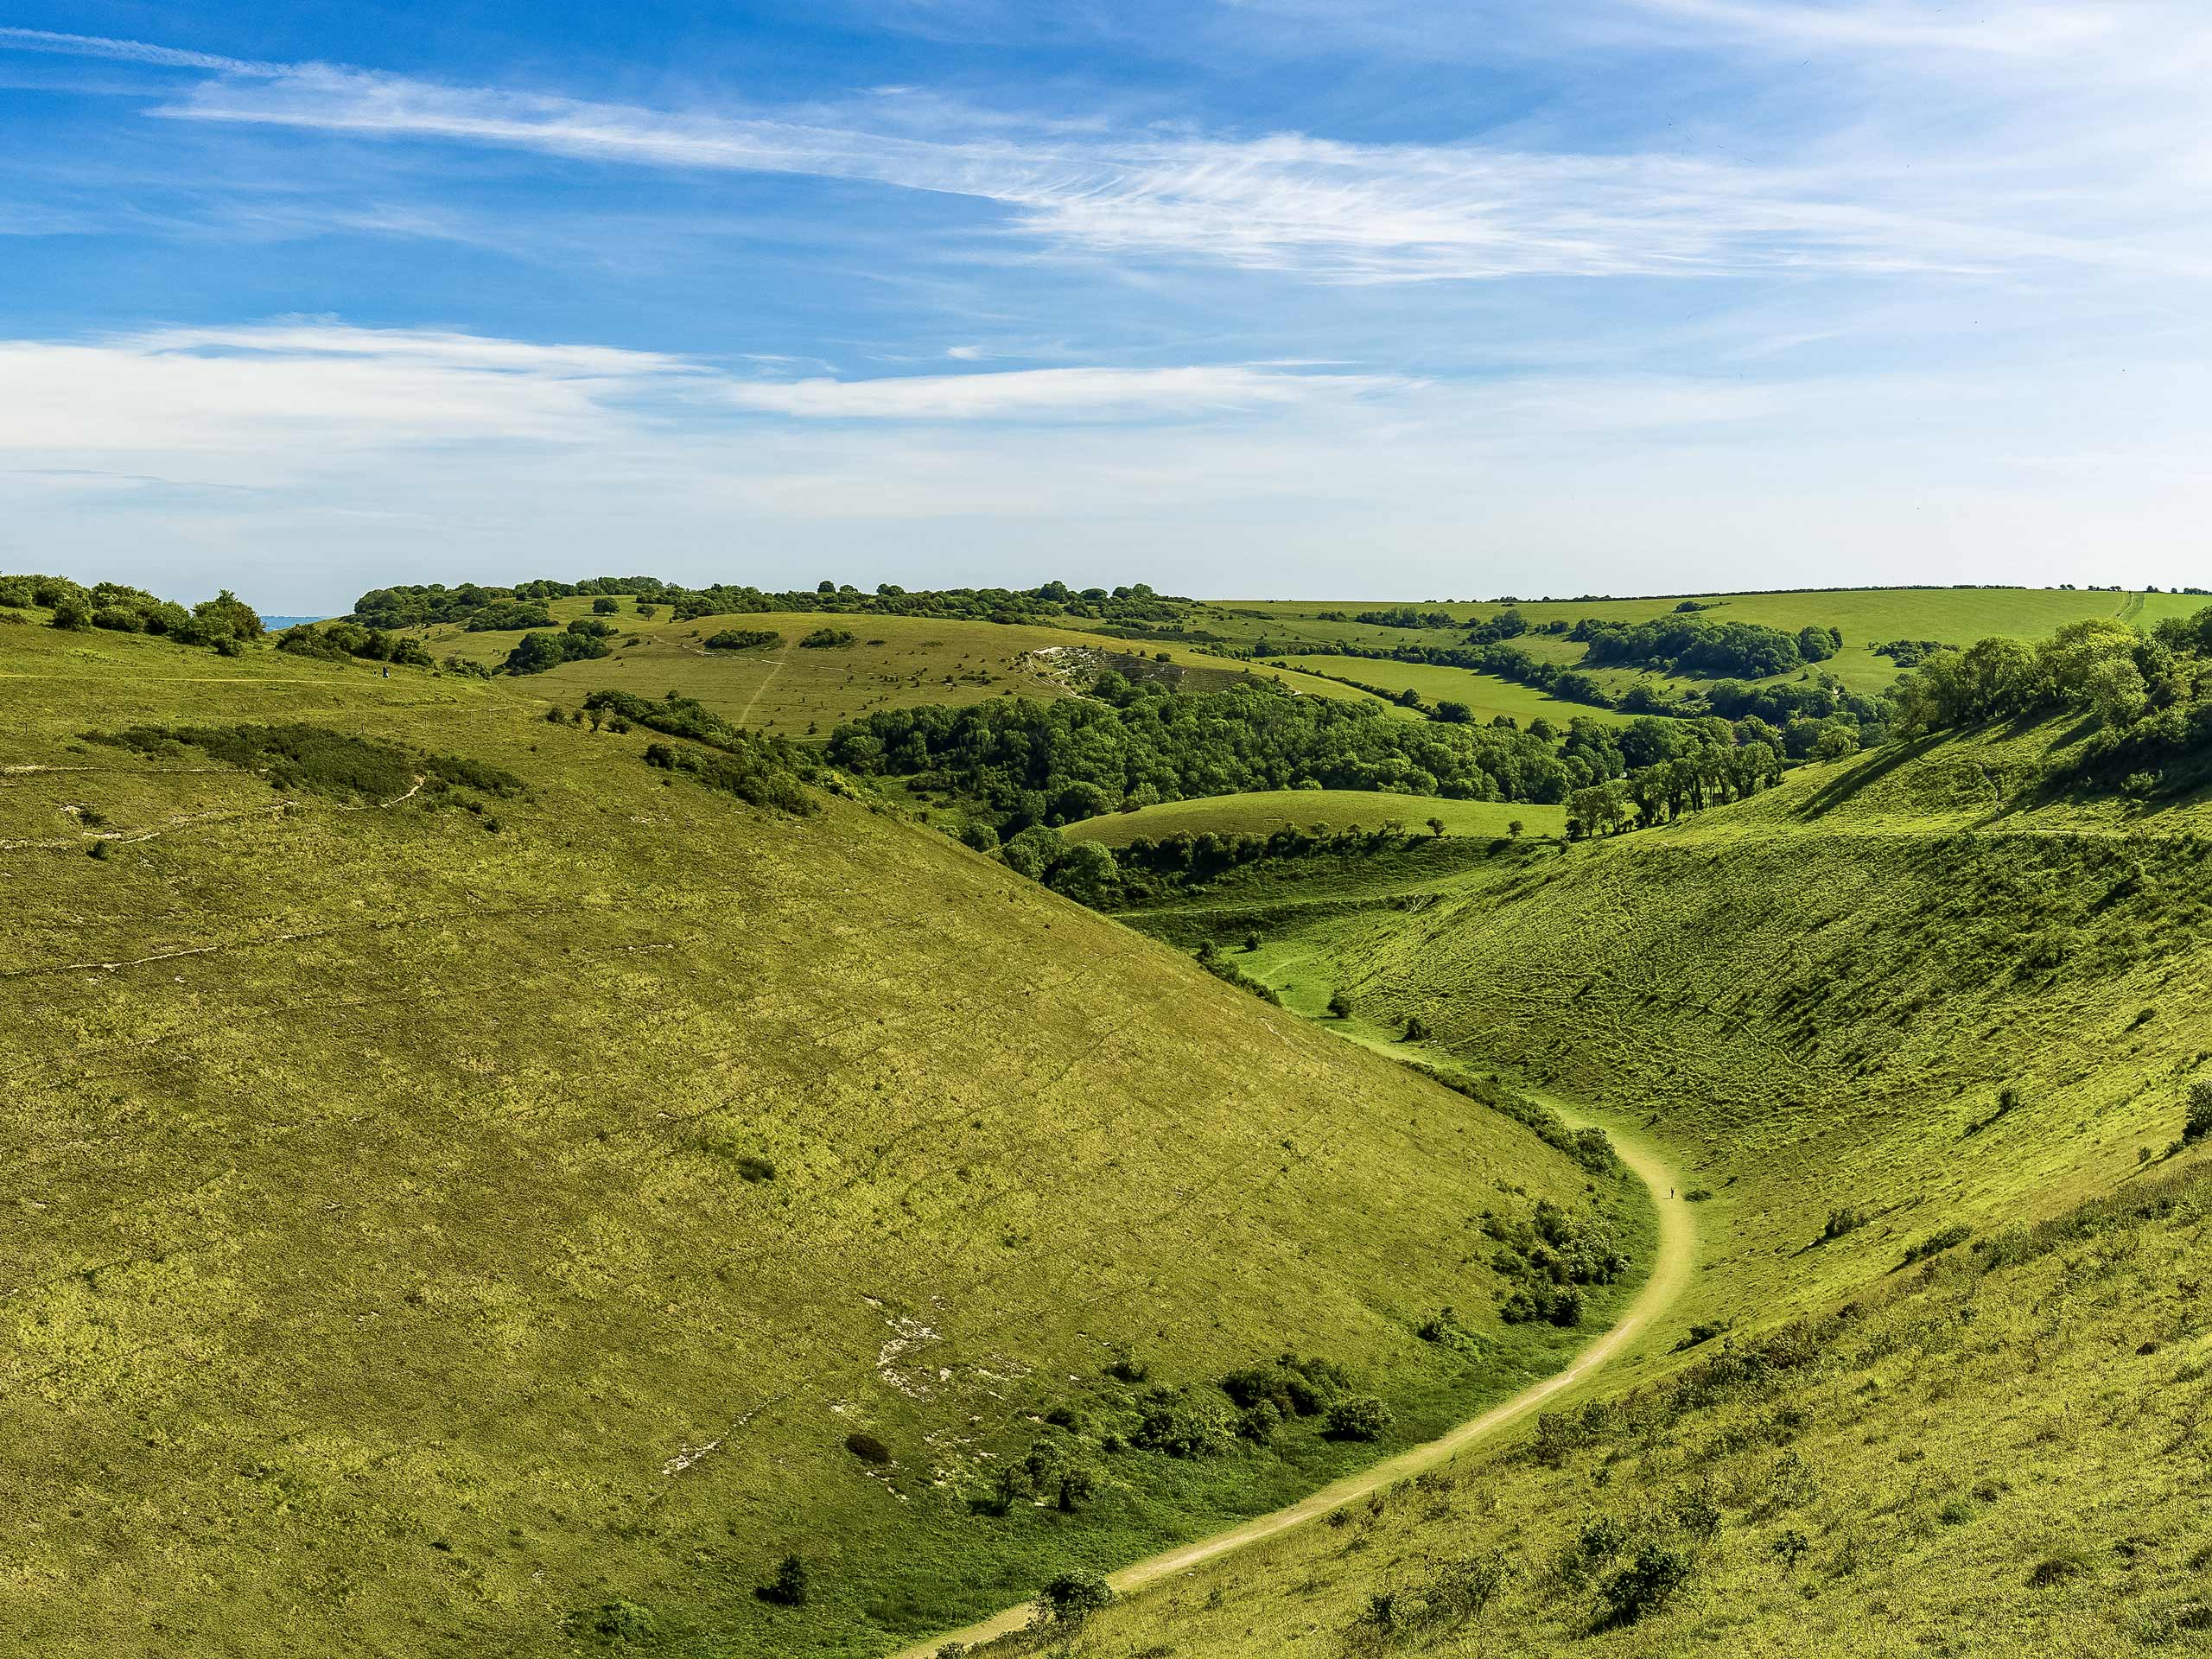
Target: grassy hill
1900,1000
885,662
1865,617
480,1192
1261,811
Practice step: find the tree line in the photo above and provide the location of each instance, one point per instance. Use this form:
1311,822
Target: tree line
478,607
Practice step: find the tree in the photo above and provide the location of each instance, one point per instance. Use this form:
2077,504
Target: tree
227,613
1515,828
1339,1006
1436,826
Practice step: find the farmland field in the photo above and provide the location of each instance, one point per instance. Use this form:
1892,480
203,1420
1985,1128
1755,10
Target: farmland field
1338,809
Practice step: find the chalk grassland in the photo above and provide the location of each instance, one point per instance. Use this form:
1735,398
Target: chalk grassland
799,691
1866,617
475,1219
1897,999
1263,811
1995,1451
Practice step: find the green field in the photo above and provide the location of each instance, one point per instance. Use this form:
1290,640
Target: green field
1487,696
796,691
1866,617
1337,809
445,1215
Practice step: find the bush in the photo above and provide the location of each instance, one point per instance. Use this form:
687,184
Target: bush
1936,1243
824,639
1646,1584
623,1621
867,1448
1071,1598
791,1587
1183,1423
604,607
1360,1417
2198,1122
1339,1006
1842,1221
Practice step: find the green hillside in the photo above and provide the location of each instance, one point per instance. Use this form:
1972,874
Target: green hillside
1902,1000
882,662
480,1192
1865,618
1338,809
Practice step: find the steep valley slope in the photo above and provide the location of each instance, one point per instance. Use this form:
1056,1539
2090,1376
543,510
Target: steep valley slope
478,1192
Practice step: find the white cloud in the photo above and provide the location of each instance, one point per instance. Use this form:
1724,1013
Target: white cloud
1291,202
1035,394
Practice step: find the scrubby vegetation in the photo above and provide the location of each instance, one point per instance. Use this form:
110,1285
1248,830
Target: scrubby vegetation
223,624
318,760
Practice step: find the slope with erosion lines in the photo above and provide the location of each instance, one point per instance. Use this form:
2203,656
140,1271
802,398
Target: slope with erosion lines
1902,986
471,1222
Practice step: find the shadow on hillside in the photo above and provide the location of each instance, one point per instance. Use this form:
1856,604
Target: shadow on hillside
1876,766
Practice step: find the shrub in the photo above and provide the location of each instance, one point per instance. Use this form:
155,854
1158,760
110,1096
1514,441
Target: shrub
1339,1006
2198,1122
1935,1243
754,1167
867,1448
1360,1417
604,607
1842,1221
1071,1598
1183,1423
1646,1584
824,639
790,1587
1416,1029
1697,1195
623,1621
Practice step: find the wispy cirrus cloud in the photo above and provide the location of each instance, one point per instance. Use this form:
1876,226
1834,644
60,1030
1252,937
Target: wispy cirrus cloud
1328,210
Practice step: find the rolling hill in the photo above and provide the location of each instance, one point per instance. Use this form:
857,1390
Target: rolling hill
483,1186
1923,1038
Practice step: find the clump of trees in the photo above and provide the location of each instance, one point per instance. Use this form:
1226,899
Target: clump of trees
754,767
223,624
341,641
1017,762
1550,1257
2148,692
583,640
1694,644
743,639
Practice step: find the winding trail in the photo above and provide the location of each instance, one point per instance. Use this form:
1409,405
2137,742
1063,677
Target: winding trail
1672,1259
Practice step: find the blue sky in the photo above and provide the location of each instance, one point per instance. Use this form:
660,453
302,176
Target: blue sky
1333,297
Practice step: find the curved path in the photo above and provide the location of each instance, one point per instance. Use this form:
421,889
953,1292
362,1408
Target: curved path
1670,1271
